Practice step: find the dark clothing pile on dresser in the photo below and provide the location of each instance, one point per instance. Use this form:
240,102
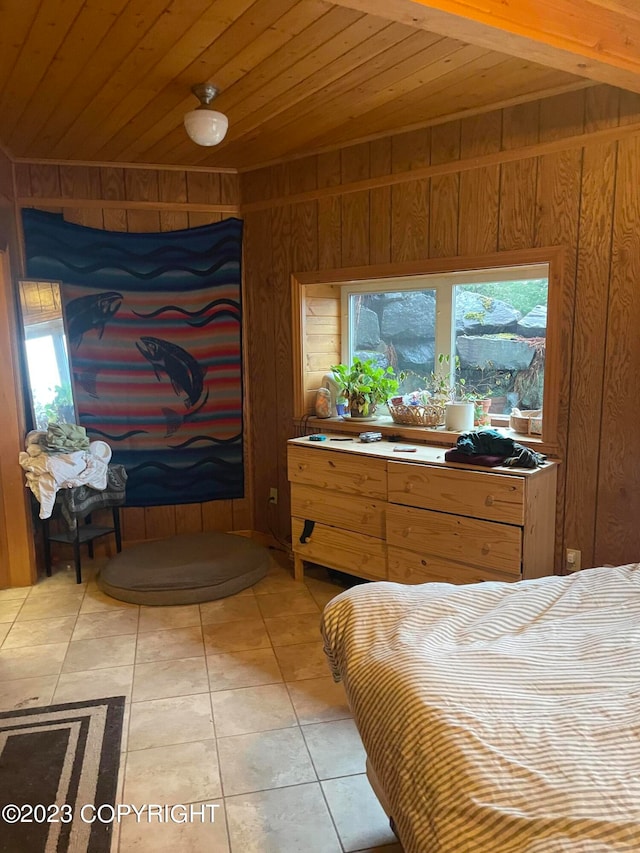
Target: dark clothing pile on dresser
494,449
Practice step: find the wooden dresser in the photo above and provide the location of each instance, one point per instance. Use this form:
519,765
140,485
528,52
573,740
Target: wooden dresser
411,517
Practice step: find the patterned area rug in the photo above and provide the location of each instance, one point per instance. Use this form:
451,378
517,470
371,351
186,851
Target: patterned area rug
54,758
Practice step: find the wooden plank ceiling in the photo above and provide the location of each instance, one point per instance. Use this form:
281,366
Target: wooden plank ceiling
109,80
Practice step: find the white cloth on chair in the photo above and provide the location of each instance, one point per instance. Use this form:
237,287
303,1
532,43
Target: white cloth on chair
48,472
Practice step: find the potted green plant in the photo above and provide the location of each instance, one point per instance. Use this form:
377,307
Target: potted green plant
364,384
449,391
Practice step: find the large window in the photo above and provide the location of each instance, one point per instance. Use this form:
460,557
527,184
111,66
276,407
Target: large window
485,329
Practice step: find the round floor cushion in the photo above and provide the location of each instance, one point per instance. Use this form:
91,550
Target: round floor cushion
185,569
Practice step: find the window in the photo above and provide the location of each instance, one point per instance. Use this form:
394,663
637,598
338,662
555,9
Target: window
486,329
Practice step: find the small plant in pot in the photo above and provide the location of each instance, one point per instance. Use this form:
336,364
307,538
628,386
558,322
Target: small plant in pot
449,390
364,384
443,387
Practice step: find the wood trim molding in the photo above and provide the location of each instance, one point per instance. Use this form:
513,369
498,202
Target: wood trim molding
109,164
432,265
598,137
21,260
297,342
122,204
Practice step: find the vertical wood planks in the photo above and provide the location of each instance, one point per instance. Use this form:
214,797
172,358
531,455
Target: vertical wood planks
445,192
329,213
410,200
260,329
112,185
82,182
380,203
479,188
203,188
518,180
142,185
217,515
617,528
22,180
188,518
557,217
172,186
229,188
45,180
590,325
295,243
355,207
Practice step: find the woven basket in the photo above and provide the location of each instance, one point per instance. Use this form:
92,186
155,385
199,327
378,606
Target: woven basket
427,416
527,422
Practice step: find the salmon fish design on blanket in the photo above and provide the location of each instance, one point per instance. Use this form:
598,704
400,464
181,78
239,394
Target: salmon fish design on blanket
91,312
186,375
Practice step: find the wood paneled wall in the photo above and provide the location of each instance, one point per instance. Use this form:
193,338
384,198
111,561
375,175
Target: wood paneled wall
565,189
322,336
145,200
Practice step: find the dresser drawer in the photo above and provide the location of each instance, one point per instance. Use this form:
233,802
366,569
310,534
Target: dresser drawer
477,494
339,472
465,540
409,567
351,512
349,552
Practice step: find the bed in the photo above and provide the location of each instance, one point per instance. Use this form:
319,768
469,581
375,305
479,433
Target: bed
497,717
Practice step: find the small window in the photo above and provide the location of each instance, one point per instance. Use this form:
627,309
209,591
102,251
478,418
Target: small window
485,329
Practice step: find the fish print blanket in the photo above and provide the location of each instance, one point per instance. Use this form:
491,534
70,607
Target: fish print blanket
154,339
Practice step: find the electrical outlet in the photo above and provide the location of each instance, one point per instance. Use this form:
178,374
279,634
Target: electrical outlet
273,496
573,560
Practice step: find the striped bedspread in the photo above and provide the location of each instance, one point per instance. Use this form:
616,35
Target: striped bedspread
499,718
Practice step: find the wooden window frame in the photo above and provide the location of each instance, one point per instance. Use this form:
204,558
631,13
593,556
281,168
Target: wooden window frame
554,256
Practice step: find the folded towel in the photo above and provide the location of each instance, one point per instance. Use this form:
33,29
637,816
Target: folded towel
64,438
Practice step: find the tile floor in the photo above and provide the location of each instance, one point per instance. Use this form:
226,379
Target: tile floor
229,703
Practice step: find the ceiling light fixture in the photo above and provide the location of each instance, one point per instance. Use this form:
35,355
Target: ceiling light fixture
205,125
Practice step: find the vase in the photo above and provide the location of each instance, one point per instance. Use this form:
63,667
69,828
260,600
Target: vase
360,408
459,416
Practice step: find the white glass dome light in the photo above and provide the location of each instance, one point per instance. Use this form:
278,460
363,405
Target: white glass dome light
205,125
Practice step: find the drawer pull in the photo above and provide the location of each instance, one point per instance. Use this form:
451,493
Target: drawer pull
489,500
307,530
302,466
407,532
361,479
331,463
408,487
486,548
